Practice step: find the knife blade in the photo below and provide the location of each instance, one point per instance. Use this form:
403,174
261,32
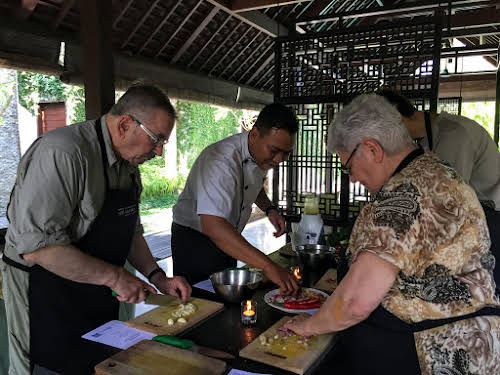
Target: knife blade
156,299
191,346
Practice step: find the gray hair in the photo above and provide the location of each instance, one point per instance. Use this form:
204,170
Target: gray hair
142,99
368,116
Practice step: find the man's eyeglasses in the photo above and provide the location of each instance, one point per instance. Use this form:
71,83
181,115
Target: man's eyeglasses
156,140
345,168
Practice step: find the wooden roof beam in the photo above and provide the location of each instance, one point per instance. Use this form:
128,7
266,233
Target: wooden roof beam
254,18
122,12
228,36
139,24
241,51
263,65
424,5
160,25
249,58
247,5
68,4
179,28
230,49
195,34
209,40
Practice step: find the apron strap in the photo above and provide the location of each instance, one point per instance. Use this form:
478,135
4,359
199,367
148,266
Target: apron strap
428,128
13,263
104,156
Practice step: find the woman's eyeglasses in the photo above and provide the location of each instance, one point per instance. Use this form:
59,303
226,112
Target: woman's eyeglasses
345,168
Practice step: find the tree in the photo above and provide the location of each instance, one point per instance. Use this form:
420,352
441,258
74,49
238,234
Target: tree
201,125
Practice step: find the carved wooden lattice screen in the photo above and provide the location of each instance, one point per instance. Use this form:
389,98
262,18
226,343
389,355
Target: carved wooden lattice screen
317,73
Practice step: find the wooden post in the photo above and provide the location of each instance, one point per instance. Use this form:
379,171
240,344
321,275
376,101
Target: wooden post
98,71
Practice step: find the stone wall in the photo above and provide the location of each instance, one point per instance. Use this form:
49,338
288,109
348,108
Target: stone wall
9,138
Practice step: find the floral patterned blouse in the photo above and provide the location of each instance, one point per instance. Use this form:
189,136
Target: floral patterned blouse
430,224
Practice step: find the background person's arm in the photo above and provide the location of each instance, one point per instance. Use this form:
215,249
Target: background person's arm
360,292
222,233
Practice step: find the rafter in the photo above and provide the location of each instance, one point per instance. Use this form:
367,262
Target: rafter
179,28
255,62
249,58
68,4
246,5
209,40
264,64
122,12
230,49
228,36
254,18
195,34
257,34
160,25
141,21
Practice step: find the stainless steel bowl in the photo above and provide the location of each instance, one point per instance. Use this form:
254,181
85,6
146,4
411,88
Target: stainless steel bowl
316,257
235,285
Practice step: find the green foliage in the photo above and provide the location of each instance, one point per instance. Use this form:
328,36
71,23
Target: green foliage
199,127
481,112
150,205
155,184
33,87
6,95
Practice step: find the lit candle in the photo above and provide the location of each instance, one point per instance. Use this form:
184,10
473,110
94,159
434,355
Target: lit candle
248,312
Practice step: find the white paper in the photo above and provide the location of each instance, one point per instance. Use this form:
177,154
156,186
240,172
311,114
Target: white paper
241,372
206,285
117,334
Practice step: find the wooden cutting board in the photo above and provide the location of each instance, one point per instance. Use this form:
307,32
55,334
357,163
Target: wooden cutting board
153,358
328,282
297,362
156,320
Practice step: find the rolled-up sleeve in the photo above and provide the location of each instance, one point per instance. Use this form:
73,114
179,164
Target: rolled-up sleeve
45,200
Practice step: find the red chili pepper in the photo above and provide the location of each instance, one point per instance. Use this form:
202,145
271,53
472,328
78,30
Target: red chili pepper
308,301
296,306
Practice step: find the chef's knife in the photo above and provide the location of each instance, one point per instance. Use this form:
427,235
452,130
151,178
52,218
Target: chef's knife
191,346
156,299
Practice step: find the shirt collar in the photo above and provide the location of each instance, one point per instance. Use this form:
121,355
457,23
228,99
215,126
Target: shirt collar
408,159
245,151
112,159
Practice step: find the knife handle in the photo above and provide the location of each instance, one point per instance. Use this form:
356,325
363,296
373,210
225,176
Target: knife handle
174,341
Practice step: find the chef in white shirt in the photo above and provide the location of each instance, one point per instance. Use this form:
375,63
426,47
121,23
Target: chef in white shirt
224,182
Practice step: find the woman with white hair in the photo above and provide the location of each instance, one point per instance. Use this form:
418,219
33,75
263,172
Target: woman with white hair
418,296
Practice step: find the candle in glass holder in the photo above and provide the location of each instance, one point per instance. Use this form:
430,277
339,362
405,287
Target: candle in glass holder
297,273
248,312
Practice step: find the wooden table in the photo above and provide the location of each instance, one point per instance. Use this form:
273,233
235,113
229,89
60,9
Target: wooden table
224,331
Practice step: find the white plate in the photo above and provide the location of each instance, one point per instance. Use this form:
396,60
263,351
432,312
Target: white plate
268,298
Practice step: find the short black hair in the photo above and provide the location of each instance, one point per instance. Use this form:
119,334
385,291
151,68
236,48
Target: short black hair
143,98
277,116
402,104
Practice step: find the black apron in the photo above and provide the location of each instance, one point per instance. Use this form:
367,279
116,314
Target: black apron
384,344
61,310
195,256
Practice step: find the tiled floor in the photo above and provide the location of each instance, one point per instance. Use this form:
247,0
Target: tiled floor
259,233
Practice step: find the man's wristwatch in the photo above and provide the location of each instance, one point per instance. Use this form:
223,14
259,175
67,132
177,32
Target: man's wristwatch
271,207
154,272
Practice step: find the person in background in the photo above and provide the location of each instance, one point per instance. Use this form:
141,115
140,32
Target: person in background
419,294
224,182
468,148
73,222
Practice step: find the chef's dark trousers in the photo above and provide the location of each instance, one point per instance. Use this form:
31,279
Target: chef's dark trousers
493,219
195,256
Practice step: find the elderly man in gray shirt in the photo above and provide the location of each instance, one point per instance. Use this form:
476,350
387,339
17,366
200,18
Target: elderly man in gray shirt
468,148
73,222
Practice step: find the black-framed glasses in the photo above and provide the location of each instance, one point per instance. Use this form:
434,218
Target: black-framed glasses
156,140
345,168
